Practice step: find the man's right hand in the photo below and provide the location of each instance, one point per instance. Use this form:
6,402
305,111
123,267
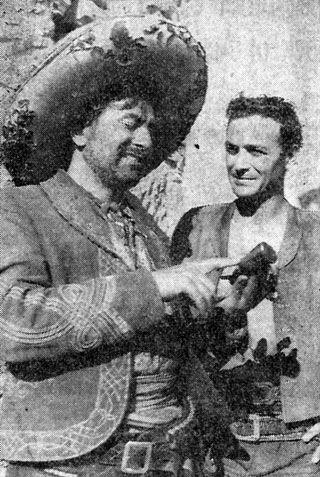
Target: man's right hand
189,279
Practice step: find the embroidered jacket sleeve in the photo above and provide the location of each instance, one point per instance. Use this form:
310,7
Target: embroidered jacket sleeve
38,320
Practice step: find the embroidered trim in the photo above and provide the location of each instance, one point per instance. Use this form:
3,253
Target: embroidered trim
85,315
80,438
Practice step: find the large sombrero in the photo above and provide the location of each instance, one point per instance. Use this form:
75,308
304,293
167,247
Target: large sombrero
143,56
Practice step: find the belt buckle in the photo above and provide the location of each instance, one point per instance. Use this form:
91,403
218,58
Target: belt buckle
254,436
255,418
264,393
136,457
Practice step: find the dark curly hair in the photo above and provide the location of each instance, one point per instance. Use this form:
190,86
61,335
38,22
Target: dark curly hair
275,108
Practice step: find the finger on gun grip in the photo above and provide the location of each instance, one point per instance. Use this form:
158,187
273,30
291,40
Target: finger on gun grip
211,264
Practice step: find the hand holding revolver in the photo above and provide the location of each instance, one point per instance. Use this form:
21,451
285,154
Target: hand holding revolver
254,278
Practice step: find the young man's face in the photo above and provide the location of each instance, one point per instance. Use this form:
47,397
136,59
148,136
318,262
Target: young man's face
253,158
119,143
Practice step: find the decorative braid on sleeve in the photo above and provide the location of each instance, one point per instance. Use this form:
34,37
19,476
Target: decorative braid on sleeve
82,316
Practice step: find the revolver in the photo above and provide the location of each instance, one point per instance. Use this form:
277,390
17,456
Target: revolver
257,262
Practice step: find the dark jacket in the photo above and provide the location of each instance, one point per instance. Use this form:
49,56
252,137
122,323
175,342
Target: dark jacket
71,304
73,310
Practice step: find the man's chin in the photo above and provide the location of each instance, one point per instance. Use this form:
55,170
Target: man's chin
244,192
131,180
121,181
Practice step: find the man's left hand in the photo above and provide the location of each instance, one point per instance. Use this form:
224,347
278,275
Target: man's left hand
310,434
248,291
242,295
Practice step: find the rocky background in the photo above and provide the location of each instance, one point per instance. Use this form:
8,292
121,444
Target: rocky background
258,47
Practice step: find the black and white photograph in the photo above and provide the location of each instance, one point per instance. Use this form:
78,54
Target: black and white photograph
159,238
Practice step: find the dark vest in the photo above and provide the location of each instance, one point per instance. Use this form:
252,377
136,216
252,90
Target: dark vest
204,233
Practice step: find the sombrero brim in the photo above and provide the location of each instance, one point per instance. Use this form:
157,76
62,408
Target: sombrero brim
145,56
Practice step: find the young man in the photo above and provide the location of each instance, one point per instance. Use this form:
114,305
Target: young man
94,353
267,362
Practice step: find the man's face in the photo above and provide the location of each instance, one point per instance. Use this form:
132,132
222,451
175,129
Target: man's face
118,144
253,158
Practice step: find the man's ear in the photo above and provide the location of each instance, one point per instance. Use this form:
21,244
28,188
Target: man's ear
79,140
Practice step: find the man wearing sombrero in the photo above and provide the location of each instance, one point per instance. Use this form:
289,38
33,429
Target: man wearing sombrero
94,349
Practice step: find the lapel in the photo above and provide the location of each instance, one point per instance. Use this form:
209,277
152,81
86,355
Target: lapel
75,206
225,229
219,230
291,239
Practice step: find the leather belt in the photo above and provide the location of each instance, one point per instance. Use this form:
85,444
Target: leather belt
131,458
136,458
149,452
258,428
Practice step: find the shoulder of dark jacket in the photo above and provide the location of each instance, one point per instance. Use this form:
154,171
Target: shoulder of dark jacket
189,222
